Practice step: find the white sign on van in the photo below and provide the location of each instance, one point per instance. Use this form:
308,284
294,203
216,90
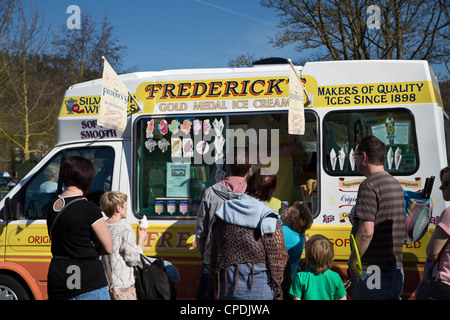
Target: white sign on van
296,116
114,100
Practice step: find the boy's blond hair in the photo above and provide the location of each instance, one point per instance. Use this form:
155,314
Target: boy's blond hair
319,253
110,200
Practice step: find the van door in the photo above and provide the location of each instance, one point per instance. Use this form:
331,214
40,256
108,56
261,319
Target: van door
26,242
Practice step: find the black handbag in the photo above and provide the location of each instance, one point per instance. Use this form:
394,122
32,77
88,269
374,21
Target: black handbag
152,281
434,289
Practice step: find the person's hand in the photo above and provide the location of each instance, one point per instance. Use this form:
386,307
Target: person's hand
142,236
347,281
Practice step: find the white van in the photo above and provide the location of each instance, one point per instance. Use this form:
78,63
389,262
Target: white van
185,114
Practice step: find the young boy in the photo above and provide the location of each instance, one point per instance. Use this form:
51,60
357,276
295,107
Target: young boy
318,282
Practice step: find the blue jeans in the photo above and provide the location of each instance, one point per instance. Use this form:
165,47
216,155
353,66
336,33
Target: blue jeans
203,284
388,286
98,294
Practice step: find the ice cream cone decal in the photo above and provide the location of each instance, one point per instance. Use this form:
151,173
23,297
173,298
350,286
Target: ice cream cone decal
218,127
174,126
176,147
162,127
197,126
341,157
150,144
188,147
390,158
186,127
206,126
333,159
163,144
397,158
149,130
351,158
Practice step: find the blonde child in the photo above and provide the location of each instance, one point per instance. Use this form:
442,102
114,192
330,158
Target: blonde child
318,282
126,253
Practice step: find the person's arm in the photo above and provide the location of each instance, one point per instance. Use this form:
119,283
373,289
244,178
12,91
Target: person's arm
363,238
437,243
142,236
103,236
130,252
364,235
202,226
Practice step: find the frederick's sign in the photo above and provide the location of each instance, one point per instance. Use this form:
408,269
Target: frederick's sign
215,89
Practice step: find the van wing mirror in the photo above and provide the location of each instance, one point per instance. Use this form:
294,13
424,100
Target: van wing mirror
6,212
12,210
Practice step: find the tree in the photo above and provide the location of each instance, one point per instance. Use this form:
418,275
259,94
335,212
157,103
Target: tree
26,114
339,29
80,50
243,60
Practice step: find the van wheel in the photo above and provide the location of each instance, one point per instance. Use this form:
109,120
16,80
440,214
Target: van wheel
11,289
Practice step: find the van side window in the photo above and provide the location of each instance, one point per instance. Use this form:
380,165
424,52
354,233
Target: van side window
447,135
41,189
179,157
395,127
35,197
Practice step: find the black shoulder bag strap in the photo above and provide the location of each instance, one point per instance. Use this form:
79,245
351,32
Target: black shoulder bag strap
65,206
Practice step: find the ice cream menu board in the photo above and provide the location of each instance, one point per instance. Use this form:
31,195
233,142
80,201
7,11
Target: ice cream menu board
398,135
178,179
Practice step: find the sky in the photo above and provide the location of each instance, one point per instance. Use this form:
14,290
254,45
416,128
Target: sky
179,34
182,34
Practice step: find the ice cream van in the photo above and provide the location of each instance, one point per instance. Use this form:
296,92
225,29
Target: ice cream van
184,124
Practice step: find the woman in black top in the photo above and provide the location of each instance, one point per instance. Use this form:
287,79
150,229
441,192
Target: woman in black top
77,237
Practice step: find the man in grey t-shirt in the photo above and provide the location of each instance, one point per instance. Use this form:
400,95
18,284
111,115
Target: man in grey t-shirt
379,227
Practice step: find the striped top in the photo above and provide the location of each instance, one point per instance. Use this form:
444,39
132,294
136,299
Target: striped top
381,200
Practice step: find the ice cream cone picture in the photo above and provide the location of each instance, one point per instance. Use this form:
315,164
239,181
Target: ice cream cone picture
218,127
149,130
333,159
197,126
390,158
202,147
397,158
163,144
176,147
219,141
150,144
341,157
206,126
143,224
162,127
188,147
174,126
186,127
351,158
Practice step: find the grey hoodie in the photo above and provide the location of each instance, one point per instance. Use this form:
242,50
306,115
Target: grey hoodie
212,200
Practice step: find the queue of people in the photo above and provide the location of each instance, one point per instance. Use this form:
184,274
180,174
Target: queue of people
246,236
248,251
